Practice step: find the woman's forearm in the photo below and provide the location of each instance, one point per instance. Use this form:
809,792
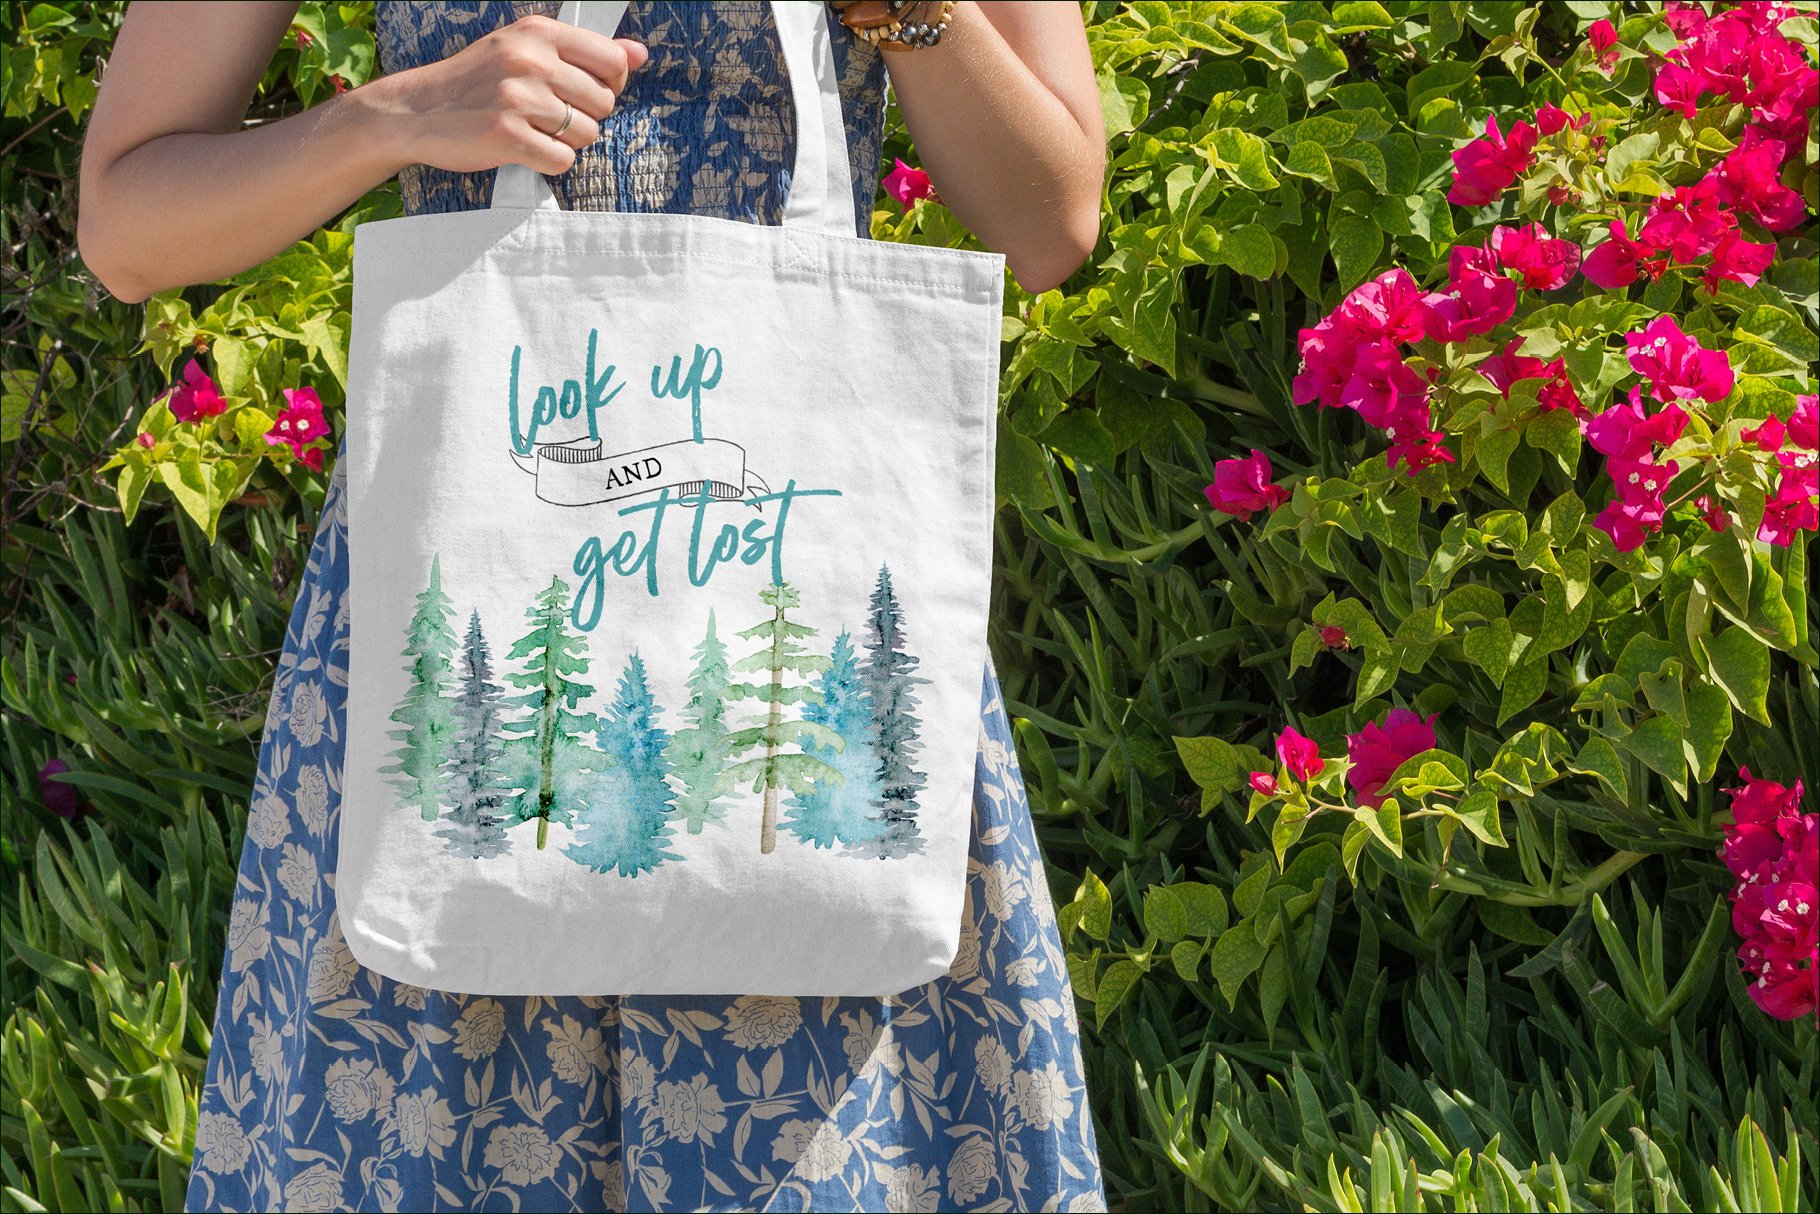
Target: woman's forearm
206,205
1017,161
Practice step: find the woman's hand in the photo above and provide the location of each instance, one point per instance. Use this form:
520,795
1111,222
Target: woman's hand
174,191
501,98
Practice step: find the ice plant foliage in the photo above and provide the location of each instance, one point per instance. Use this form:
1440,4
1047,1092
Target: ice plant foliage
1770,850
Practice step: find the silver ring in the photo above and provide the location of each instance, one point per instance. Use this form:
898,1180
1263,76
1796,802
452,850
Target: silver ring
568,116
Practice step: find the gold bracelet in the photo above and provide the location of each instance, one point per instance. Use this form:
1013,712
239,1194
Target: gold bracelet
886,24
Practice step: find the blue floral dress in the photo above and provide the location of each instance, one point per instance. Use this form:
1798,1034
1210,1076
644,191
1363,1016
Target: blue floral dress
330,1087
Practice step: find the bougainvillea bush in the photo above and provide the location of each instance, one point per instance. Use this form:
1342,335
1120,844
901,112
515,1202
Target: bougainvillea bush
1402,604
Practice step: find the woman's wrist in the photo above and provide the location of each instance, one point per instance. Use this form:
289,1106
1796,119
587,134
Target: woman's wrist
382,124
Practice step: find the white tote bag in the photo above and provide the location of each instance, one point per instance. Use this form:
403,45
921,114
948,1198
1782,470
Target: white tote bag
670,543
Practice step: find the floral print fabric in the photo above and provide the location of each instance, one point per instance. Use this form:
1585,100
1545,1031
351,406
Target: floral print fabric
330,1087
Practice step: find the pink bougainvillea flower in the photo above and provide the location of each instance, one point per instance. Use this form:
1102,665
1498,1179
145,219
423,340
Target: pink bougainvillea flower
146,440
1376,751
1762,802
907,184
1241,487
1632,517
1748,179
1780,917
299,425
1264,782
1804,422
1420,451
1687,222
1507,367
1558,392
1752,851
1334,637
1736,259
1792,508
1628,431
1477,303
1551,118
1713,511
1615,263
1678,88
196,397
1677,366
1767,435
1488,166
1541,262
60,798
1383,388
1299,754
1602,37
1387,307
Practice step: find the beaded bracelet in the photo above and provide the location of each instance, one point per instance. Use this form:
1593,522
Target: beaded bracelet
883,23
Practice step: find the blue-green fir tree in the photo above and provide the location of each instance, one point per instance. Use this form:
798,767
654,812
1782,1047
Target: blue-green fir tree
698,752
779,763
626,827
425,712
475,824
890,681
839,811
550,760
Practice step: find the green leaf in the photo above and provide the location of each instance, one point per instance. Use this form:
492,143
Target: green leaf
1205,906
1740,664
1096,904
1165,917
1186,958
1235,957
1478,810
1356,241
1523,686
1249,249
1659,743
1309,159
1115,986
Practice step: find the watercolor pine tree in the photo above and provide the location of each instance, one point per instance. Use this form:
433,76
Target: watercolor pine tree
551,758
698,752
626,827
475,825
425,711
841,811
778,766
889,677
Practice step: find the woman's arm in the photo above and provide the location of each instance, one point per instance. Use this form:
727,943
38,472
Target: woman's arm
1006,117
174,191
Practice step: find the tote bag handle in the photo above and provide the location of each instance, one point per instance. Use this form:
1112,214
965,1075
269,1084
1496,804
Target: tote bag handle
821,187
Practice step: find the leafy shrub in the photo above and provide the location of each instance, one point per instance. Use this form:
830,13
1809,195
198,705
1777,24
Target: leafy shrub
1506,985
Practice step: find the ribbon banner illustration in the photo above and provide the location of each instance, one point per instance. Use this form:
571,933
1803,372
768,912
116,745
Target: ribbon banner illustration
581,473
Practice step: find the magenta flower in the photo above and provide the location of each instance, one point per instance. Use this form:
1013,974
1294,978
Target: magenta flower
1614,263
907,184
1541,262
1792,508
1602,37
1736,259
1486,167
1677,366
1383,388
1334,637
60,798
146,440
1627,432
299,425
1241,487
1713,511
1767,435
1387,307
1749,179
1299,754
1264,782
196,397
1551,118
1477,303
1761,802
1804,422
1687,222
1376,751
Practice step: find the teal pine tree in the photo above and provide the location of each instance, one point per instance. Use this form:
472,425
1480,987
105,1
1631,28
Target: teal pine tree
779,763
626,826
889,678
550,758
425,712
698,752
841,811
475,825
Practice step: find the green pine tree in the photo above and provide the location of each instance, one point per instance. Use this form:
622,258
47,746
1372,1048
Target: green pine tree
781,763
698,752
626,827
889,676
477,818
425,712
551,757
